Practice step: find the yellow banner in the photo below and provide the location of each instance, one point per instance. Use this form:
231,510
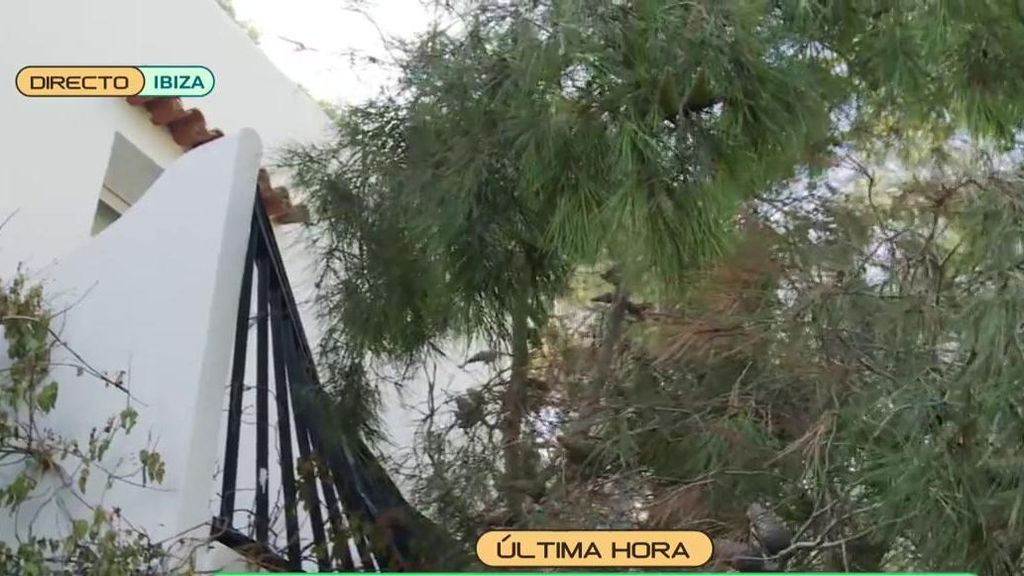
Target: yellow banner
594,548
80,81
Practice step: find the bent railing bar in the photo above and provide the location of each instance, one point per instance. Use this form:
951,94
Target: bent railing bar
311,384
306,396
310,481
230,474
269,288
354,488
262,519
349,480
357,493
271,304
339,532
291,517
309,478
358,497
259,553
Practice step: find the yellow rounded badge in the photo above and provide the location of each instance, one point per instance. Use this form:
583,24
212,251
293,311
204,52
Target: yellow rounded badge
594,548
80,81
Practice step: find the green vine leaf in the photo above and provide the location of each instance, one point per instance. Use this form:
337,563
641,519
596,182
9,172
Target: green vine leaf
152,466
92,545
83,479
47,397
18,490
129,416
79,529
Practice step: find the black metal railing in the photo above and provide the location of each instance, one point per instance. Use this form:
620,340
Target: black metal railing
353,517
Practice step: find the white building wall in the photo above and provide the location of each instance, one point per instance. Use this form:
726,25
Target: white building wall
55,150
156,301
173,341
52,161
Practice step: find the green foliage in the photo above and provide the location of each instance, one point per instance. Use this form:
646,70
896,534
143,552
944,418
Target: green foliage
101,544
933,64
535,138
857,363
858,369
153,467
886,378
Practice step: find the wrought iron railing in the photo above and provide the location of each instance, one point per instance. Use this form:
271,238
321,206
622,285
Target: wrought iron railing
353,517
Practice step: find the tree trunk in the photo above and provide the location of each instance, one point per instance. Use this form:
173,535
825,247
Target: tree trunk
614,322
612,334
513,409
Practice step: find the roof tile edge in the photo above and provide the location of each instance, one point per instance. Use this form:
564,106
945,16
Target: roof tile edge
189,130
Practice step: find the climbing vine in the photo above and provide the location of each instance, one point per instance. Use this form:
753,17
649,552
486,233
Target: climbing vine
34,457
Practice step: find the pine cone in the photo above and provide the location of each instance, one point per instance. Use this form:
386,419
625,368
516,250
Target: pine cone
469,409
768,529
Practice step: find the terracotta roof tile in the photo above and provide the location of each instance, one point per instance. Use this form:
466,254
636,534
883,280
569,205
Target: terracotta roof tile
189,130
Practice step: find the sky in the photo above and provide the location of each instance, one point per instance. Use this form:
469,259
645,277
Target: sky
336,37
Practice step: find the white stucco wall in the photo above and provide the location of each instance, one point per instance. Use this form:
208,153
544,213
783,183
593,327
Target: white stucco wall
152,297
52,162
54,152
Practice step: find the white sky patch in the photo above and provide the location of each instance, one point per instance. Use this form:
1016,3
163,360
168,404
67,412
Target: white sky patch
335,39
